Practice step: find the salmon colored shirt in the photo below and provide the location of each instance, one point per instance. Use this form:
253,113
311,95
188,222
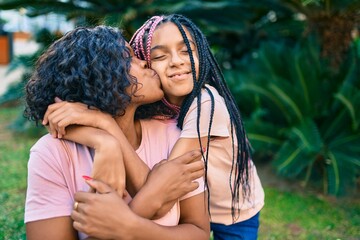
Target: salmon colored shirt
56,167
220,160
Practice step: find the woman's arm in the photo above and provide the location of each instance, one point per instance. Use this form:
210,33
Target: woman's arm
59,228
97,216
48,199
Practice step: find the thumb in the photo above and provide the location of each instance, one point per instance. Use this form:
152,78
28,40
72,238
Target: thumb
99,186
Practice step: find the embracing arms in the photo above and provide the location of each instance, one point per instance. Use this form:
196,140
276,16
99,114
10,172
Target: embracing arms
95,216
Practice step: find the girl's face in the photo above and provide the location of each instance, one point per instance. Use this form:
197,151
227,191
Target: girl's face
149,90
171,60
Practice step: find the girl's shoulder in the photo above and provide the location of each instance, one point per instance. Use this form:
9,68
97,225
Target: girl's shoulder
208,93
209,90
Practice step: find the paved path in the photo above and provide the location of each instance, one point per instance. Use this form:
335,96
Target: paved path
20,47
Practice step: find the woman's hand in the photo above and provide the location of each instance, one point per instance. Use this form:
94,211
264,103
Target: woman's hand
62,114
104,215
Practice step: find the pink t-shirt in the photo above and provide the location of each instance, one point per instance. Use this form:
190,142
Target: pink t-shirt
56,167
220,159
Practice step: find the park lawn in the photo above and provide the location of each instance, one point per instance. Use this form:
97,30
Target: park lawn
286,215
308,216
14,151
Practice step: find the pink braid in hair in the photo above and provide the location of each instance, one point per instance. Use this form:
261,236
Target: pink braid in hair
137,40
150,36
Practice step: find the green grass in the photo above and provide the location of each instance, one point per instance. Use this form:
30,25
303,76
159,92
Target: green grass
289,215
14,151
286,215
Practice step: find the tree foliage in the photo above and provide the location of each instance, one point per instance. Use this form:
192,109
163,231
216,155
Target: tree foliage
292,65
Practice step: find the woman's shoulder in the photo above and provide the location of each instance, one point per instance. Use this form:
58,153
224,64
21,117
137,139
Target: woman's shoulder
46,141
50,144
157,123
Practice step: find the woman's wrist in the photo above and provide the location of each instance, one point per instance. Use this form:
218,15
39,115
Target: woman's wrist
127,228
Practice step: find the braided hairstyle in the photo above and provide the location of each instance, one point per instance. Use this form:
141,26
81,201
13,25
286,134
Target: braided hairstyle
209,73
89,65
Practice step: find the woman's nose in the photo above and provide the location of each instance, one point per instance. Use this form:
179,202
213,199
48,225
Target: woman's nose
143,64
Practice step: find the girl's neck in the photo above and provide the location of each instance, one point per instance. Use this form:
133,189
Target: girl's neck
172,106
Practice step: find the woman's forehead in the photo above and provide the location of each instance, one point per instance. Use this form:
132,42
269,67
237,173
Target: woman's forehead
131,51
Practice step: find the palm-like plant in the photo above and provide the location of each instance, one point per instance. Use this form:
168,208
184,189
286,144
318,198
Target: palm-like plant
309,116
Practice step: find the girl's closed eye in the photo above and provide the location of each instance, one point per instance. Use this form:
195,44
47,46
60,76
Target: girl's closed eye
185,50
157,57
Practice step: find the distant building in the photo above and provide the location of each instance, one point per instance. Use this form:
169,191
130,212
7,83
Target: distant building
17,21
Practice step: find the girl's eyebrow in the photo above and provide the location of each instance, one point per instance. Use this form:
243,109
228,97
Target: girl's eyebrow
163,47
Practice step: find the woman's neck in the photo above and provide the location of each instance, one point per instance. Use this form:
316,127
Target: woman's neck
130,127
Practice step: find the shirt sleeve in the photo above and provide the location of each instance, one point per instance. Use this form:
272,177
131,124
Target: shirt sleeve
220,119
47,193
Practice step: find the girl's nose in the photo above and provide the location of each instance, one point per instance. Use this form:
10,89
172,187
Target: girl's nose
176,59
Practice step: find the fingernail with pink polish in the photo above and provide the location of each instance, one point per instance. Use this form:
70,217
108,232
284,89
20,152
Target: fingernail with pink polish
87,177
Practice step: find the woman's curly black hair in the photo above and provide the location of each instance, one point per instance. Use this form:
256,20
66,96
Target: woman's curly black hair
88,65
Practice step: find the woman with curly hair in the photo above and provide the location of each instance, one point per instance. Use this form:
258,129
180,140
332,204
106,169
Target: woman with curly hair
96,66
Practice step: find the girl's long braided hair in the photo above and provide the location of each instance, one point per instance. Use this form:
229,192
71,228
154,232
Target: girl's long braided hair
209,73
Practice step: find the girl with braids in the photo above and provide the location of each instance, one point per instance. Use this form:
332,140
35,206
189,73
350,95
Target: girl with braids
197,95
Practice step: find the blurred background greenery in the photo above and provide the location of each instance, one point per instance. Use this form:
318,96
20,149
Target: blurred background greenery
292,65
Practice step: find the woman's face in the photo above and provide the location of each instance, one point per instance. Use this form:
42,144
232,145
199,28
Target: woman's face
171,60
148,87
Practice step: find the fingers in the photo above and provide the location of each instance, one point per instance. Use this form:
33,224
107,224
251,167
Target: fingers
51,108
61,114
57,122
189,157
193,186
196,166
100,187
60,119
78,220
197,174
57,100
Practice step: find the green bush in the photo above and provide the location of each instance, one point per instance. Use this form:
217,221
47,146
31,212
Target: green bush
302,112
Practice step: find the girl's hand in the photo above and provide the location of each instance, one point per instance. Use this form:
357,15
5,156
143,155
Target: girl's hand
171,179
108,163
62,114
